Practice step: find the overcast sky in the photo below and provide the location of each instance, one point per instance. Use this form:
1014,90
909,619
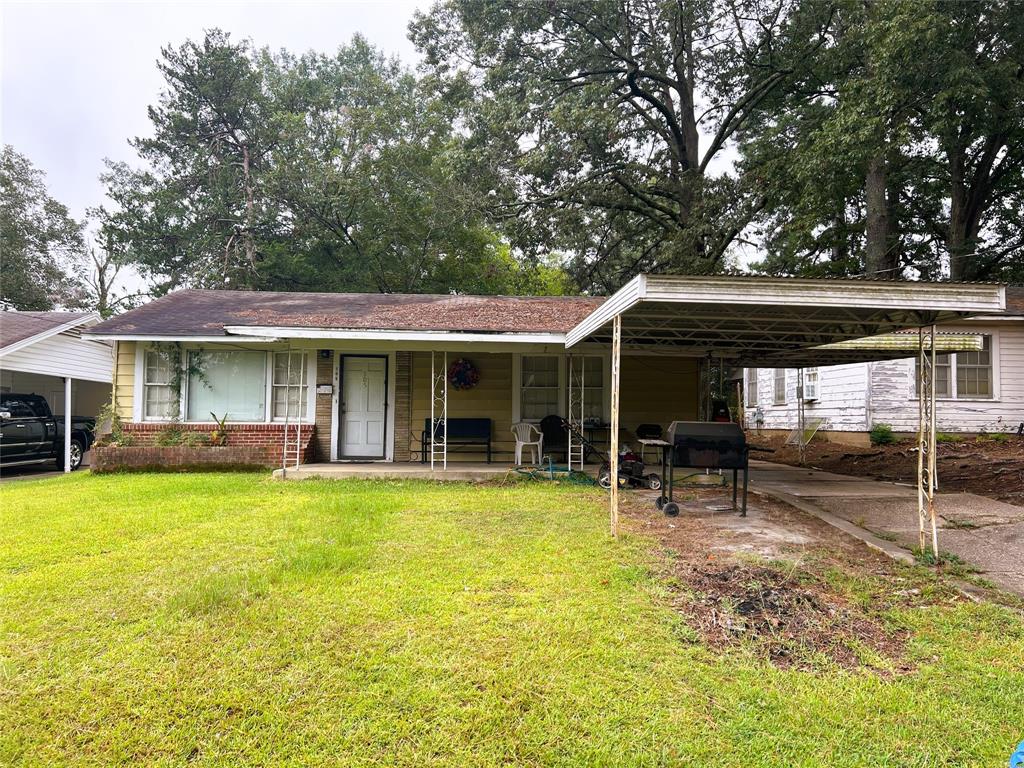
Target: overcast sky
77,77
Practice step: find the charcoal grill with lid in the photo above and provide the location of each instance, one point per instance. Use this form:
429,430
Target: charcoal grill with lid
702,445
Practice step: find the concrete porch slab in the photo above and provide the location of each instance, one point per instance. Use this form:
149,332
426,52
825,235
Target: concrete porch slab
472,472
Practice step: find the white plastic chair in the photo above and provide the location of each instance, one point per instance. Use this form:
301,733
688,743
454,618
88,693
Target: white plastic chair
525,434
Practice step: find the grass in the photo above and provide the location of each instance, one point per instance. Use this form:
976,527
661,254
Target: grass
229,620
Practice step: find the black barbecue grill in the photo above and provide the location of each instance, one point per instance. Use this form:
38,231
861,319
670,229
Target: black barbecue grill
702,445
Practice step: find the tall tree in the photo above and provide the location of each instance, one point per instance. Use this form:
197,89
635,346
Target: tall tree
39,240
273,171
901,152
609,122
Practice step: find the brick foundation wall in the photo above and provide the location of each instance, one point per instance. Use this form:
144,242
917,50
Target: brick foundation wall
262,443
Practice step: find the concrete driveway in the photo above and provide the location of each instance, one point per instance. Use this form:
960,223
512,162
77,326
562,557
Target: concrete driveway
38,471
986,533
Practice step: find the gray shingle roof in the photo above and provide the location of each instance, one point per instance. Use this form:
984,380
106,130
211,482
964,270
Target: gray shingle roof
206,312
18,326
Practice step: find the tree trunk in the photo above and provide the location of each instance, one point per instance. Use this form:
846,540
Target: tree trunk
878,253
957,239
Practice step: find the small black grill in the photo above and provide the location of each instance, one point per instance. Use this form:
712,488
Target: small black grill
702,445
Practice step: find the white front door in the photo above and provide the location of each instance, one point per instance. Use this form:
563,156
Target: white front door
363,407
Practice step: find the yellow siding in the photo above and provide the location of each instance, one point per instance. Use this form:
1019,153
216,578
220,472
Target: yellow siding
656,390
124,379
491,398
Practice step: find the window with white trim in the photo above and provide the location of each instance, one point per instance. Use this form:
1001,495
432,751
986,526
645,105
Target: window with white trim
290,388
751,394
779,390
810,383
963,375
159,401
538,387
231,384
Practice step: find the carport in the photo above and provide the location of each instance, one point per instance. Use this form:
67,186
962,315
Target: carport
749,321
44,353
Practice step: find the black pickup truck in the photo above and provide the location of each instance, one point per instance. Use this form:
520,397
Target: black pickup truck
31,434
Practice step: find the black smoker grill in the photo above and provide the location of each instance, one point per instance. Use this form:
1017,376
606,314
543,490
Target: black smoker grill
702,445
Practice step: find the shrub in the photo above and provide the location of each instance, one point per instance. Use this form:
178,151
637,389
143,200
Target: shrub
170,435
881,434
948,437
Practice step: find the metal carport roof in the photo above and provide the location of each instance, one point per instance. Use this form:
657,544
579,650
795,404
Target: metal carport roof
768,321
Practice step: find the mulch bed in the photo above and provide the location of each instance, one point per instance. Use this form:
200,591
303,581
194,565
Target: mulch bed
984,466
792,604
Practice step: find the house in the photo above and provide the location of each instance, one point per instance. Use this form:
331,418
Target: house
41,352
976,391
361,376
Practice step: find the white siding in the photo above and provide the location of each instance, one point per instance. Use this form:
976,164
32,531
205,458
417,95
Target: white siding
841,398
87,397
849,405
65,354
894,401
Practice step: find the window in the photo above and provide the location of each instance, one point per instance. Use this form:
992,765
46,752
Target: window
810,383
974,372
751,395
227,384
593,389
159,400
963,375
18,408
780,386
290,389
539,387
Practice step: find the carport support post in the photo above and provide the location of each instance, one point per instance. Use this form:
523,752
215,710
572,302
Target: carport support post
614,457
67,423
926,462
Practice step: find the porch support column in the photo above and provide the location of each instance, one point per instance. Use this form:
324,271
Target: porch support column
614,457
67,423
801,416
926,461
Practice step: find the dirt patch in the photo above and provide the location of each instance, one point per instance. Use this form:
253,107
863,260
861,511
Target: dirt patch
984,466
782,584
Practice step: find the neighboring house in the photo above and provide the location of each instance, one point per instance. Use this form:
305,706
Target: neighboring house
39,351
356,369
980,391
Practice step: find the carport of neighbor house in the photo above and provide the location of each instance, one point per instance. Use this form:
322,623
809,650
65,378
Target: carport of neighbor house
748,321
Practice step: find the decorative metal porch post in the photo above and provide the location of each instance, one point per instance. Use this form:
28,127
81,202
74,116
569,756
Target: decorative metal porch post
577,391
438,405
614,457
926,460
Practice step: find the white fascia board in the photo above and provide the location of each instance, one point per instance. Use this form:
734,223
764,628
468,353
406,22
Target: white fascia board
90,318
182,339
629,295
797,292
384,335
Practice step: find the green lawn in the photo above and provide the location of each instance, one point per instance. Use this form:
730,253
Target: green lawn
230,620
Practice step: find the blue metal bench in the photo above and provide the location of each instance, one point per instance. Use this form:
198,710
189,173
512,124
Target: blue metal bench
461,433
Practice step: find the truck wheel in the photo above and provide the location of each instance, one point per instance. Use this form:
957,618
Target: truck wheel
77,454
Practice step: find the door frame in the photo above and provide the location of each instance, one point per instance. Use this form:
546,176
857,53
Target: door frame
389,398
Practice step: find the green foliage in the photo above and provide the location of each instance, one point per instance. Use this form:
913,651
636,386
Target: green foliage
173,434
923,99
590,116
116,435
314,172
40,243
881,434
948,437
219,435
